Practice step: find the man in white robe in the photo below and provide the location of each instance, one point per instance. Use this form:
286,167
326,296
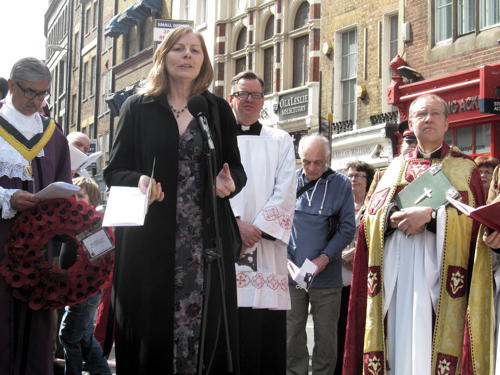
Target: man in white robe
413,290
264,211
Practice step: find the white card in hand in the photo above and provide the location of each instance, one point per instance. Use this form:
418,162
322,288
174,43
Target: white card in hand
127,206
304,275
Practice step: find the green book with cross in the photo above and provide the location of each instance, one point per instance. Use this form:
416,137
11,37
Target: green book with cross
430,189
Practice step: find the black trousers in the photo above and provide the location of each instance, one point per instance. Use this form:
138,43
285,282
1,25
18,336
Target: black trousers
262,341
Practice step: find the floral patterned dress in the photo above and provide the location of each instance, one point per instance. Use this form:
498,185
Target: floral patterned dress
188,253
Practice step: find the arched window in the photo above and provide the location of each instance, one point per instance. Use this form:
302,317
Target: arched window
241,42
269,57
269,31
302,15
301,47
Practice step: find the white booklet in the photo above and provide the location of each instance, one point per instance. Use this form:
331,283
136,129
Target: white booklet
57,190
304,275
127,206
80,160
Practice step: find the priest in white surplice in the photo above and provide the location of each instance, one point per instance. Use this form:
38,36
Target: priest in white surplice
264,211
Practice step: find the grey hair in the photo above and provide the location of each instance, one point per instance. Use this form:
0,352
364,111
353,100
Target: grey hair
437,98
30,69
308,139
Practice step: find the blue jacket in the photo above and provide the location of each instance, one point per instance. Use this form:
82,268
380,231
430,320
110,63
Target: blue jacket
331,196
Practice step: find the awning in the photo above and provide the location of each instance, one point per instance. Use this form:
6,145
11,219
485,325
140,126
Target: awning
134,14
137,12
114,28
115,100
154,5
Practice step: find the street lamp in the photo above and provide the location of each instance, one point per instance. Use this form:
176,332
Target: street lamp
57,48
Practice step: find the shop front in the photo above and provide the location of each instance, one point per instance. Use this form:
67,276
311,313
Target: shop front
474,100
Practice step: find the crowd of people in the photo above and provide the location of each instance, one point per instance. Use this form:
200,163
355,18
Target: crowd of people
203,287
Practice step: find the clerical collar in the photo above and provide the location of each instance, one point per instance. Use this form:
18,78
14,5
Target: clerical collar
253,129
436,154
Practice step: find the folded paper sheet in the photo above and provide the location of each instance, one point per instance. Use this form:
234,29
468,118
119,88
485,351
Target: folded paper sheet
57,190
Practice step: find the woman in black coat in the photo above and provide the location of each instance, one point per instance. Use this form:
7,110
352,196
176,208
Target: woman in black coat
165,287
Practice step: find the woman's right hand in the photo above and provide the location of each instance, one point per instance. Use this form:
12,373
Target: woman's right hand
156,193
492,239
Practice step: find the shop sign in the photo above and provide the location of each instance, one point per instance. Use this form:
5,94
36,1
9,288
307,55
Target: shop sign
163,27
470,103
490,89
293,105
490,105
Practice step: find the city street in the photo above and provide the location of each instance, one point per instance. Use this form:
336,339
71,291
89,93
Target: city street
310,344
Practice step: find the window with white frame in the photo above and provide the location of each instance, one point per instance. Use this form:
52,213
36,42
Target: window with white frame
186,9
73,109
301,47
466,16
490,13
349,59
103,108
93,70
469,14
94,15
87,20
85,79
442,21
388,50
393,36
201,13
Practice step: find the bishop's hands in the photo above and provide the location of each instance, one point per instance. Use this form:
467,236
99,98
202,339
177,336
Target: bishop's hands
411,220
156,193
22,200
224,183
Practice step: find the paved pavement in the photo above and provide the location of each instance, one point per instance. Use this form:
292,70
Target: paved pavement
310,344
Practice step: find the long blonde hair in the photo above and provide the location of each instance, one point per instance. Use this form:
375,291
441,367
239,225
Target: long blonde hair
157,82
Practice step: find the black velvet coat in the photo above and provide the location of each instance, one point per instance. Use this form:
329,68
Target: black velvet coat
144,271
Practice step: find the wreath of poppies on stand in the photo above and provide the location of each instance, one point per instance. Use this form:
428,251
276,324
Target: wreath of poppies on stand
25,266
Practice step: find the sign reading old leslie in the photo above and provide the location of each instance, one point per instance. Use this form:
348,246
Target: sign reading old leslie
293,105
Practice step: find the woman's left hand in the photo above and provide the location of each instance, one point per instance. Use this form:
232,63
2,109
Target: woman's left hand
224,184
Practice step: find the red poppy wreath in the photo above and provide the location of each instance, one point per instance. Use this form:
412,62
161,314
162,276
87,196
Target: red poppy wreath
26,269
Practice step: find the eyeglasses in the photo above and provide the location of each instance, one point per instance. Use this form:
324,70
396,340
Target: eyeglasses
356,176
423,114
247,95
32,94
